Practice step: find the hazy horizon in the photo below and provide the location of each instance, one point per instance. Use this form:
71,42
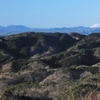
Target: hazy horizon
92,26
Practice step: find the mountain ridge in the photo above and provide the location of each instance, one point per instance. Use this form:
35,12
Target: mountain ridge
13,29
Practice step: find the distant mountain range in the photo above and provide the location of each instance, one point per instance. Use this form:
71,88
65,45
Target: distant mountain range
13,29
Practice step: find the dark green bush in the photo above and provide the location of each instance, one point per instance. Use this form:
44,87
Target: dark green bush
17,65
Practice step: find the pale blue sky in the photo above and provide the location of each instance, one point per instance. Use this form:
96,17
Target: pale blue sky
49,13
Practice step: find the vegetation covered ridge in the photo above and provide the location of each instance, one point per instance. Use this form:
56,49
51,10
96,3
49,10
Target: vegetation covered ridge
50,66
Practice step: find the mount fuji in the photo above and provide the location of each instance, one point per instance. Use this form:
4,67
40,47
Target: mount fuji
95,26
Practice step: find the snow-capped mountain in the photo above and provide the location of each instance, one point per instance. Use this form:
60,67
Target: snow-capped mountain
95,26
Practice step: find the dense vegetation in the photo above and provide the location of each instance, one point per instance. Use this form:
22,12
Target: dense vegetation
49,66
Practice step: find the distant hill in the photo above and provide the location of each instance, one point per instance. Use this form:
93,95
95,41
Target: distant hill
13,29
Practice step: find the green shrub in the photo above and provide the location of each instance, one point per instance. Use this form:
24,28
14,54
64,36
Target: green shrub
17,65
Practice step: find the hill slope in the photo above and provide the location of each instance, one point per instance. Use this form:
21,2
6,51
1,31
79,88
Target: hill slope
49,66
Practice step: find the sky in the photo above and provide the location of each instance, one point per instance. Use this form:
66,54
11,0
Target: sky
49,13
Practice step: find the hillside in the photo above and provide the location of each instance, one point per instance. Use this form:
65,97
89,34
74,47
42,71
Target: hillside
49,66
